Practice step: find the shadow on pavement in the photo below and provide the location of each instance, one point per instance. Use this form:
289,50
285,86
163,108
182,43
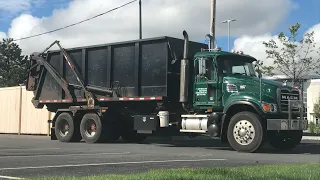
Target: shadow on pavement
309,147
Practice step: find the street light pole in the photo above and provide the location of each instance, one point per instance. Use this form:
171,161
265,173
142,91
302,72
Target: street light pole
140,21
228,21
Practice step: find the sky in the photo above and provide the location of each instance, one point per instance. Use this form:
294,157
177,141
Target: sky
256,21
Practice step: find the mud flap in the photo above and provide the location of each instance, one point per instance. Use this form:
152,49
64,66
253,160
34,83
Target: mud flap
52,132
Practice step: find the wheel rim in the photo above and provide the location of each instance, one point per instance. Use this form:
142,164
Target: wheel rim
90,128
64,128
243,132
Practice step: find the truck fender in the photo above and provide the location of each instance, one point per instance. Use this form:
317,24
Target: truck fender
227,109
249,103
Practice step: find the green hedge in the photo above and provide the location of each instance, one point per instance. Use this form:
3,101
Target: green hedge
314,128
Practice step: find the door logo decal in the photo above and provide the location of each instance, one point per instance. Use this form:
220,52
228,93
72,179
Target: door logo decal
201,91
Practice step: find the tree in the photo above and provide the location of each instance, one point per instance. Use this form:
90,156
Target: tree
13,65
316,108
292,57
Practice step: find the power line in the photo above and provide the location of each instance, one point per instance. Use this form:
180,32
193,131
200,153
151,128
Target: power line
48,32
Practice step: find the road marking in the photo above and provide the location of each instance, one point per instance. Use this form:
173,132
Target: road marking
9,177
57,155
103,164
26,149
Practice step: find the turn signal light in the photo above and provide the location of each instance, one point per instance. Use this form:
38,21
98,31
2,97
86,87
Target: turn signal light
269,107
266,107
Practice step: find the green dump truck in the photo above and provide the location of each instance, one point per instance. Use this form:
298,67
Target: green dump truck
163,87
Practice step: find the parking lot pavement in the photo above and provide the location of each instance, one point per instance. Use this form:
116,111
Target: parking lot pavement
38,156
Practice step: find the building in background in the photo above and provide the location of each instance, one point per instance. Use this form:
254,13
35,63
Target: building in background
313,94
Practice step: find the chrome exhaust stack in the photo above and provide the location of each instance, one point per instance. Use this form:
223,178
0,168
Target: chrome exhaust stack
184,72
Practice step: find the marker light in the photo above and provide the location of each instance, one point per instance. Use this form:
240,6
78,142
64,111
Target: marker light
237,52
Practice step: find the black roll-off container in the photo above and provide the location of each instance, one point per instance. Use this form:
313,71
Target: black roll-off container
147,69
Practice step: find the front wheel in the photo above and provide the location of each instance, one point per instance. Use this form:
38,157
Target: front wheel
285,140
245,132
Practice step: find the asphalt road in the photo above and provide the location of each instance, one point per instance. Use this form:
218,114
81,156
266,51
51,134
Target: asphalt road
36,156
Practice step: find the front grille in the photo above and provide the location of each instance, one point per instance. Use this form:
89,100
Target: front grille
285,95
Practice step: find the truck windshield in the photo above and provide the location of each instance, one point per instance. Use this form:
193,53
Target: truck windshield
236,65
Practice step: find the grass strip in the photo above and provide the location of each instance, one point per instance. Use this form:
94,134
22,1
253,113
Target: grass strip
273,172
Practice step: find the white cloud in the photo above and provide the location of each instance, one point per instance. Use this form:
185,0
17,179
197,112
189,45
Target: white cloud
9,8
14,5
2,35
253,45
161,17
316,29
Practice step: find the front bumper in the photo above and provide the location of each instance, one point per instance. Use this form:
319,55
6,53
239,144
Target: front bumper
297,123
286,124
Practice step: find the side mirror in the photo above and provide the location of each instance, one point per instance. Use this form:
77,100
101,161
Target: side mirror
258,70
202,66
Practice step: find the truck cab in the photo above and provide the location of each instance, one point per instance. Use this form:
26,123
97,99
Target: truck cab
213,71
219,75
243,106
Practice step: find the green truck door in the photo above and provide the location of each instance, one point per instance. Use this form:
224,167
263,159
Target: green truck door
206,85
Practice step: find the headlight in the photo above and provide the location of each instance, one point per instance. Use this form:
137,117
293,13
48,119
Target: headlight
269,107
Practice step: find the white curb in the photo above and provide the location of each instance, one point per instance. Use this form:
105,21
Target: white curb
317,138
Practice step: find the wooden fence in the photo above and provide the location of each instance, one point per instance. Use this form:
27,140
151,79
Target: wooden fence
19,116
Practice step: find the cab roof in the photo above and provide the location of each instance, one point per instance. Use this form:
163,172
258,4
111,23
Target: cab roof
222,53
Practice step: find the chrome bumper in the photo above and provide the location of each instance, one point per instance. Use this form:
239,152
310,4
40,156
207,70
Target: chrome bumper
286,124
289,124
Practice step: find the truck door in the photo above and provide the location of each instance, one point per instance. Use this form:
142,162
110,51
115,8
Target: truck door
206,84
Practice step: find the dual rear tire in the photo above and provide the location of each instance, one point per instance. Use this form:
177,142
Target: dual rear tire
90,128
93,128
66,129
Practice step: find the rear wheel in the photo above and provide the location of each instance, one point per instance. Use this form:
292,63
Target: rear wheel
94,130
66,129
245,132
91,128
285,140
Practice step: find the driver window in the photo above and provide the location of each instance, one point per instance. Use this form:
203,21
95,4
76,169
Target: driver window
205,68
209,69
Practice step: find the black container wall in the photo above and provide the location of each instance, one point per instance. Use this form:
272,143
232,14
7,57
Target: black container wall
142,68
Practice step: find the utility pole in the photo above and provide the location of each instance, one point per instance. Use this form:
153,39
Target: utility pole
212,23
140,21
228,21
